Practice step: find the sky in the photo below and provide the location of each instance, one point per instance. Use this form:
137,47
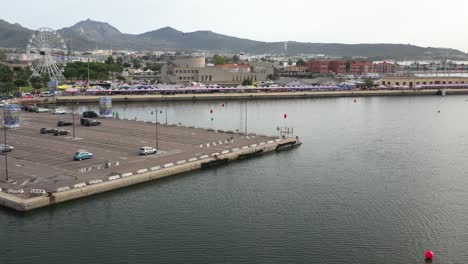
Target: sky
427,23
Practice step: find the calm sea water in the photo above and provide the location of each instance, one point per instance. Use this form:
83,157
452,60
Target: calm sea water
379,180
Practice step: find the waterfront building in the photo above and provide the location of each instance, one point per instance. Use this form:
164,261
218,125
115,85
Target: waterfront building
416,81
385,67
360,67
188,69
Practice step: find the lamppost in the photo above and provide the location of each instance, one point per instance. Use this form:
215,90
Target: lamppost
73,120
5,146
246,117
157,136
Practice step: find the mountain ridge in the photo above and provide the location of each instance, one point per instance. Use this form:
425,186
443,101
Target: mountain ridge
89,34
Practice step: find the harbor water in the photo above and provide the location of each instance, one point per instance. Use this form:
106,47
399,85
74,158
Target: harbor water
377,180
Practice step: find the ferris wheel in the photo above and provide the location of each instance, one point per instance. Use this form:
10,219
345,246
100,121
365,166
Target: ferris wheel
47,53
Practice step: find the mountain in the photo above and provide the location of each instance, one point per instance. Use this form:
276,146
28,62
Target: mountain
13,35
88,34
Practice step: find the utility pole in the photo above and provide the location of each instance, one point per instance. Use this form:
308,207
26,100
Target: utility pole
246,117
157,135
73,117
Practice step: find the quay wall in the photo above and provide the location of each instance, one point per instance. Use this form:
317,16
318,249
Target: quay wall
19,204
244,96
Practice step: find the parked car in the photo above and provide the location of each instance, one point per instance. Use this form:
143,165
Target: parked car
41,110
148,151
26,95
48,130
64,123
62,132
6,148
89,114
31,108
81,155
59,112
89,122
46,94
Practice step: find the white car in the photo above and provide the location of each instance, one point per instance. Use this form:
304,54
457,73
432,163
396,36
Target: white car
148,151
6,148
42,110
59,112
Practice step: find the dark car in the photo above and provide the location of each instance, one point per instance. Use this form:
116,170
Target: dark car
89,122
48,130
89,114
64,123
33,109
61,132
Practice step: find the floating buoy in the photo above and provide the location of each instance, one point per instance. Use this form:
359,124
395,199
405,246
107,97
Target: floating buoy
355,100
222,104
438,111
429,255
285,115
211,111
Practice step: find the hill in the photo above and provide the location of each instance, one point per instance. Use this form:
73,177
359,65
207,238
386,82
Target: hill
88,34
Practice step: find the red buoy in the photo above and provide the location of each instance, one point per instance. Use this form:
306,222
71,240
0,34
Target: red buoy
355,100
429,255
222,104
285,115
211,111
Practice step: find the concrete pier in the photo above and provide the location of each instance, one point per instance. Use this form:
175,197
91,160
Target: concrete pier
43,173
245,96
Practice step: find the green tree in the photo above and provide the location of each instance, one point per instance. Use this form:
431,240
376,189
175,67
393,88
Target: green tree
219,60
37,82
247,82
110,60
153,67
136,63
126,65
300,62
70,73
235,58
348,66
6,79
119,61
369,83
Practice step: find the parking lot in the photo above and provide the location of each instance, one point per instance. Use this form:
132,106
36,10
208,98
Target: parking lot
45,161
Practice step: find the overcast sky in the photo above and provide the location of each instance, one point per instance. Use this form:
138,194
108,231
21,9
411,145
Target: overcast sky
434,23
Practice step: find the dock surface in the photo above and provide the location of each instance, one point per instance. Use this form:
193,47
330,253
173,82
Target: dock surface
42,171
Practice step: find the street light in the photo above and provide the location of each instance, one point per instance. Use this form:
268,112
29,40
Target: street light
155,113
5,142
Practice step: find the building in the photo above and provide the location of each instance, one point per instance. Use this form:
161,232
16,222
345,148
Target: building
337,67
321,67
360,67
327,67
416,81
385,67
188,69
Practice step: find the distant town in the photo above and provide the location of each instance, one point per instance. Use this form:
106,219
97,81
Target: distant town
54,63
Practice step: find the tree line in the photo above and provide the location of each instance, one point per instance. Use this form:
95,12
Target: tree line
97,70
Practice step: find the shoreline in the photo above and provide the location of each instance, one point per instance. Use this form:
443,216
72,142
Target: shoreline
242,96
